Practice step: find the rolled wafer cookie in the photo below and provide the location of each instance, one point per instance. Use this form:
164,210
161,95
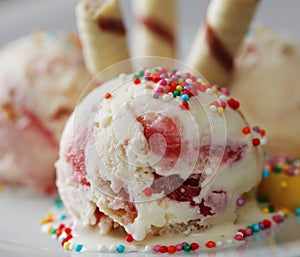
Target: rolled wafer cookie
102,33
218,40
155,27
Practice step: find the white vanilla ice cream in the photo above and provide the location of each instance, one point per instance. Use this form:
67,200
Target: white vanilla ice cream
157,152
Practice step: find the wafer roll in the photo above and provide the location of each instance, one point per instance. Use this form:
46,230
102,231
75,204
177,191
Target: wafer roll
218,40
102,33
155,27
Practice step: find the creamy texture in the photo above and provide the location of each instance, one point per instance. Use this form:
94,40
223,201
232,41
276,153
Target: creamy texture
42,76
266,81
222,235
152,166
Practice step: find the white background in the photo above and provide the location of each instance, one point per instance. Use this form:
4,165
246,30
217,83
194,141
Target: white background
20,17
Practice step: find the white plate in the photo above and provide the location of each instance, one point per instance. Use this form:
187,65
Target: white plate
20,234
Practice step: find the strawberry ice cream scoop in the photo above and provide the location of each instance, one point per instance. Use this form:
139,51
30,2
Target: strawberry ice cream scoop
41,77
155,152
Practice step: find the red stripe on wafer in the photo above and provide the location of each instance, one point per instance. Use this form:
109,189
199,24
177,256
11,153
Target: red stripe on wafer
111,25
217,48
158,29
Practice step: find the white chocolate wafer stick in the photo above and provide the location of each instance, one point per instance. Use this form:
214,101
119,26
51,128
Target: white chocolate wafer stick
218,40
155,27
102,33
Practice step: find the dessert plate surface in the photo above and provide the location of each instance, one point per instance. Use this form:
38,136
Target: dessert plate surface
21,235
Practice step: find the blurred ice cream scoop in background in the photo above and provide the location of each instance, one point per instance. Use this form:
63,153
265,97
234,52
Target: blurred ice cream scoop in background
41,77
266,78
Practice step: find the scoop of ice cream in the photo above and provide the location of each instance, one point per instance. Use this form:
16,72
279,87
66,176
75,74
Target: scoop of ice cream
42,76
266,81
158,151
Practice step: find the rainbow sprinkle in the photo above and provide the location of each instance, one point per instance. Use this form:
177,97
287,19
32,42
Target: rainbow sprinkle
242,233
170,84
279,164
